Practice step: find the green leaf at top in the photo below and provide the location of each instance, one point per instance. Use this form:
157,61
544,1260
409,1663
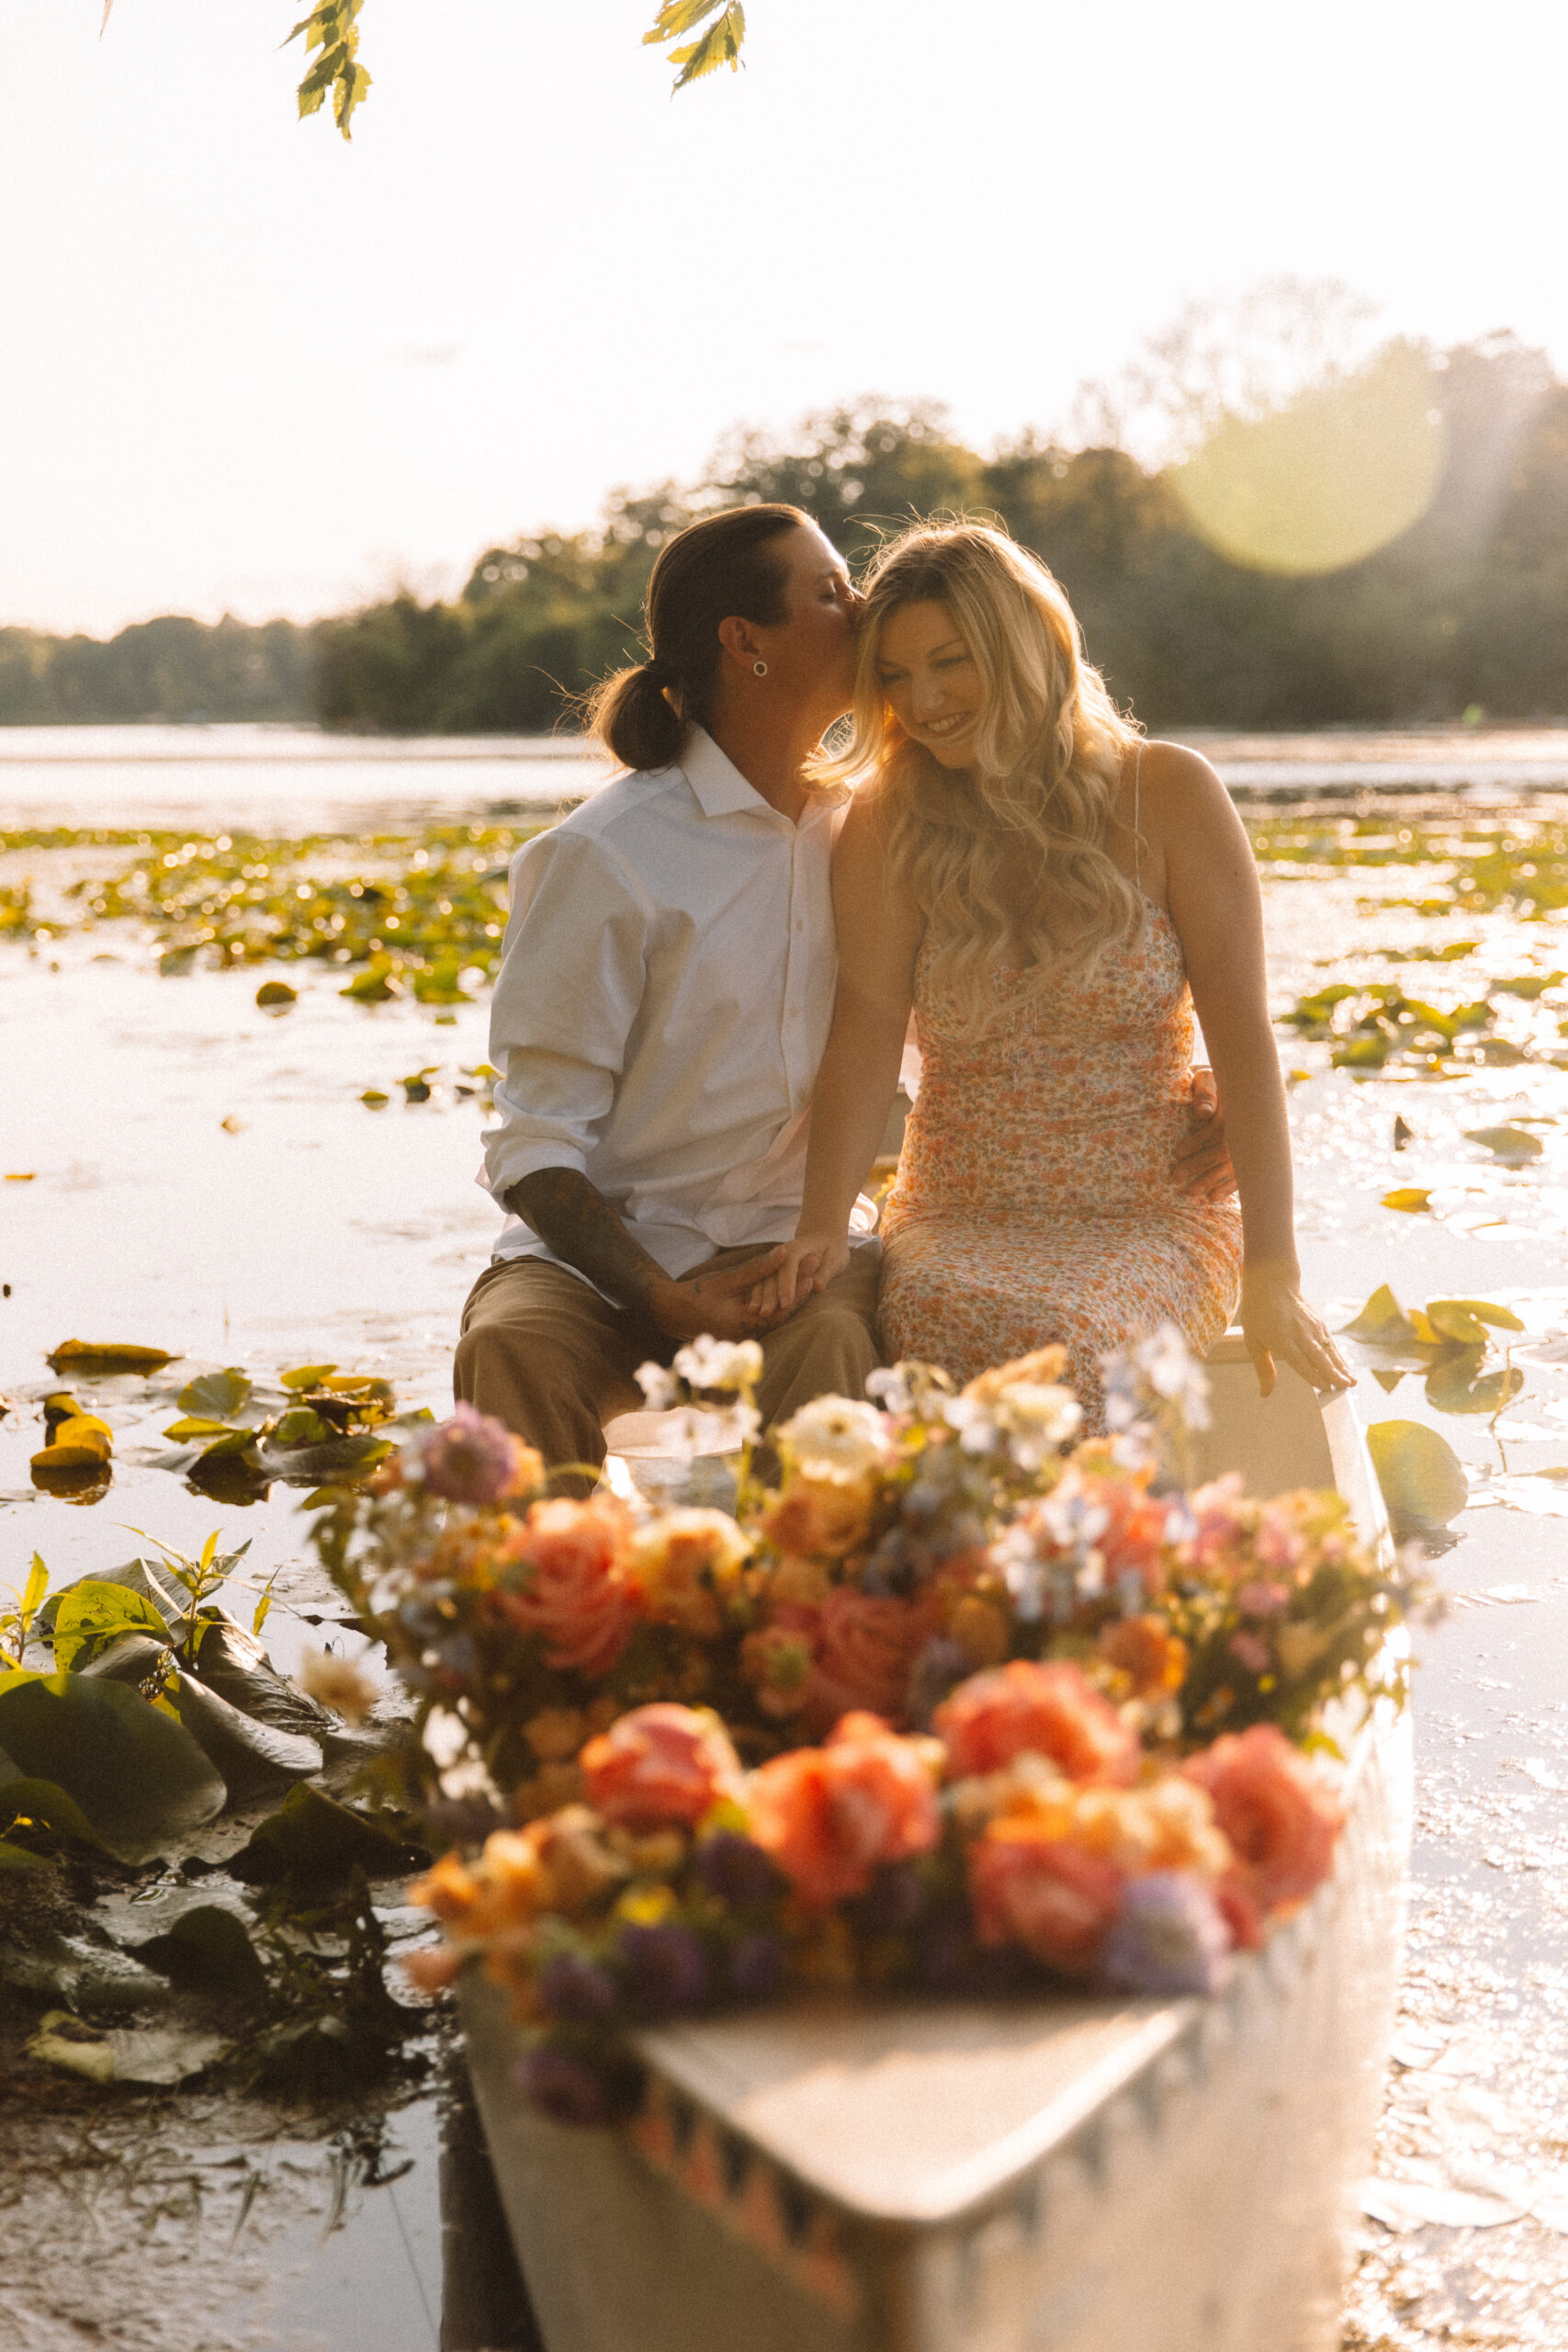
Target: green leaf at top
1465,1319
1422,1478
216,1396
207,1951
1382,1319
306,1375
140,1778
91,1615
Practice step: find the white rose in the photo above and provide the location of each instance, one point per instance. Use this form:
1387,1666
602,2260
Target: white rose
836,1439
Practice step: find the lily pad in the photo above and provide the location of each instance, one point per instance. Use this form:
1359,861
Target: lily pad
89,1356
1422,1478
207,1951
1509,1143
312,1837
92,1614
140,1779
306,1375
1382,1320
1456,1386
43,1807
1413,1198
216,1396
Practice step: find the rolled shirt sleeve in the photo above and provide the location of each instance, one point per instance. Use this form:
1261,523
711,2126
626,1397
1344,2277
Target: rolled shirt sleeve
572,976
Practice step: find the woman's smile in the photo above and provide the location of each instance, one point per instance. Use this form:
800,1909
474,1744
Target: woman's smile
925,668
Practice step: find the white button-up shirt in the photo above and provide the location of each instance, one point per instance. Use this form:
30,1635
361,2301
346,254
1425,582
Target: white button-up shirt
664,1000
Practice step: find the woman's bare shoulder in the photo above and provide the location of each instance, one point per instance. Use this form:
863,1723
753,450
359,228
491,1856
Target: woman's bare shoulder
1178,790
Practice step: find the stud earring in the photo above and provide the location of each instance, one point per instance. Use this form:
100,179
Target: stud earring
760,668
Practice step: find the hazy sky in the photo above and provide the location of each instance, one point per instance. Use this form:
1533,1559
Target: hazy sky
245,365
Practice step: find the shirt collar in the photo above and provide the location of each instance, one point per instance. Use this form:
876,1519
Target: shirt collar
722,791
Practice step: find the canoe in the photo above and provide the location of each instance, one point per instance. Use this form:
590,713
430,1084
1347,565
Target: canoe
1069,2174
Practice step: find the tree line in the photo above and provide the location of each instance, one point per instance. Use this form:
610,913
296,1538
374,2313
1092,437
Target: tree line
1465,612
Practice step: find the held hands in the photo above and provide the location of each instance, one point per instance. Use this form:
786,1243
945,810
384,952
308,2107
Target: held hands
1278,1322
1204,1170
804,1266
718,1302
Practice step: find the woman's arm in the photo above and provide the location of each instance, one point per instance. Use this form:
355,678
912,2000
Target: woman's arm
1217,907
879,938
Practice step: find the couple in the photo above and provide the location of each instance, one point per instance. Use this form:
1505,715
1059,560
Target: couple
709,971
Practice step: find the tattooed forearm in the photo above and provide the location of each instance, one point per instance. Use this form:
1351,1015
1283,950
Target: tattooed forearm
578,1222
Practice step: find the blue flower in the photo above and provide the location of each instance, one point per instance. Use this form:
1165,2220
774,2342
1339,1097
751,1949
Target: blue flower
1169,1938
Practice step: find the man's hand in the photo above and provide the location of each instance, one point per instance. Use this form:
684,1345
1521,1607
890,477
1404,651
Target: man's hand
1203,1168
718,1302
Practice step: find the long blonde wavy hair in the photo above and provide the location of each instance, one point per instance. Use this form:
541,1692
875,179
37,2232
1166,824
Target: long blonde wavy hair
1028,821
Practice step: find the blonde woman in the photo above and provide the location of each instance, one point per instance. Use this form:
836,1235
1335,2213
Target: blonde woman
1055,897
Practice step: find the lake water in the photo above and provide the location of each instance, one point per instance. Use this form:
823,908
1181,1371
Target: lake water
297,780
197,1173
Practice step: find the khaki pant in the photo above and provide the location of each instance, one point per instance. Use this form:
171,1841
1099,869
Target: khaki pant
547,1355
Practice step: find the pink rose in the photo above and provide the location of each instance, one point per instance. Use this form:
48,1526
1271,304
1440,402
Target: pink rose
828,1817
1045,1892
1023,1709
1261,1599
579,1596
658,1764
865,1645
1280,1819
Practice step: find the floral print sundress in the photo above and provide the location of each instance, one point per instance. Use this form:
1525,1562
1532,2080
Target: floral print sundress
1036,1199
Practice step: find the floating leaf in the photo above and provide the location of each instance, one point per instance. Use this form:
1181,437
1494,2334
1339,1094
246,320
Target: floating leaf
140,1779
1455,1385
217,1396
376,984
92,1614
1532,985
275,992
1412,1198
312,1837
1484,1310
1507,1143
195,1427
1382,1320
207,1951
65,2042
43,1806
1422,1478
306,1375
374,1097
89,1356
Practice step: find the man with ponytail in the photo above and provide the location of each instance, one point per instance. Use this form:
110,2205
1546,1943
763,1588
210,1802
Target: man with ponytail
663,1004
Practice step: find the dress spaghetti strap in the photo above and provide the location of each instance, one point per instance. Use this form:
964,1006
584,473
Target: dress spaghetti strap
1137,833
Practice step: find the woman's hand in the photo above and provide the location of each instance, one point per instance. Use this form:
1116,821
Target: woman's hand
1278,1322
810,1263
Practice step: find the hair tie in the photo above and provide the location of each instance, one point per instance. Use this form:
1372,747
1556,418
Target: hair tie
658,673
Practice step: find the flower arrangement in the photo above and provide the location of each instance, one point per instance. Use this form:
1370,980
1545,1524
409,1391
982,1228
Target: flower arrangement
1029,1838
960,1700
909,1542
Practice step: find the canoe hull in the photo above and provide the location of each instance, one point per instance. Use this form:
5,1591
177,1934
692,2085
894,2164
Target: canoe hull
1192,2190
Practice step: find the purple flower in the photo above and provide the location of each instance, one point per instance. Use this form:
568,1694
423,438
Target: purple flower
735,1870
666,1970
894,1900
1169,1937
576,1990
471,1459
755,1966
575,2089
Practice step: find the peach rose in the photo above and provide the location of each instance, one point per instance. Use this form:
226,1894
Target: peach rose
580,1597
687,1563
1047,1894
828,1817
660,1763
502,1891
865,1645
776,1661
1281,1820
819,1518
1041,1710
